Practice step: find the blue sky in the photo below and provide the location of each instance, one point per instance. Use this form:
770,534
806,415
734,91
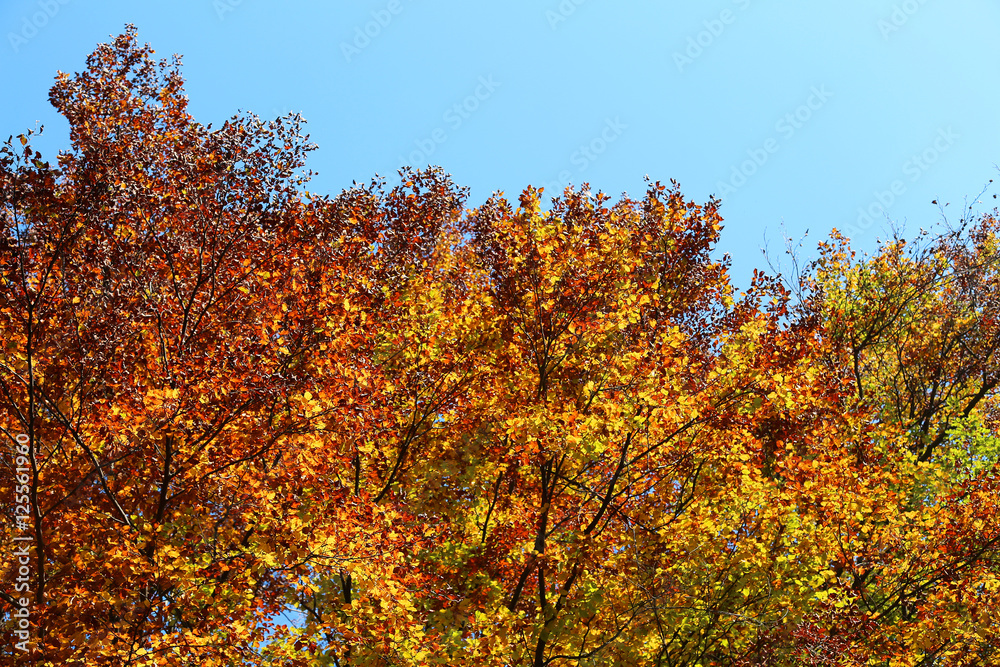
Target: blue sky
797,114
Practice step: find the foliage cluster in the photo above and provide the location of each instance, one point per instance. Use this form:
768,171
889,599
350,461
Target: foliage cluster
382,428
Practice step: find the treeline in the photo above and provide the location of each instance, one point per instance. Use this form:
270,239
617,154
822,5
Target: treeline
384,428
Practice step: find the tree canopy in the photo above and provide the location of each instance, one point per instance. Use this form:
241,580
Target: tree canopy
254,425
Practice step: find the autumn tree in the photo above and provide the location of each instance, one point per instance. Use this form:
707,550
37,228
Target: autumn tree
270,427
154,357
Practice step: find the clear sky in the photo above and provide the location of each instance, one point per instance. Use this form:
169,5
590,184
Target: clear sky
794,113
